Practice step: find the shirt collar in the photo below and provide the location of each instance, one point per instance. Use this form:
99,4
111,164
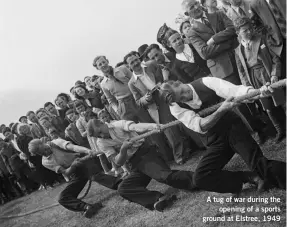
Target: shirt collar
245,43
136,76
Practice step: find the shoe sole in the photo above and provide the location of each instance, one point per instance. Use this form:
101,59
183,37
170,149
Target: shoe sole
161,205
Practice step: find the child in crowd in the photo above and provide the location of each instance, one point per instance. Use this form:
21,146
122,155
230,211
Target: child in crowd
257,65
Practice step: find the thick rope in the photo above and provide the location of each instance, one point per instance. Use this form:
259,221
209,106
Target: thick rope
46,207
210,110
202,113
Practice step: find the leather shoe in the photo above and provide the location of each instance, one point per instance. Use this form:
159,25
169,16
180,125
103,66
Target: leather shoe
163,202
91,210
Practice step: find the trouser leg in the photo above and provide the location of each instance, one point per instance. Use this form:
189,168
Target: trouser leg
133,188
152,165
254,123
68,197
107,180
278,119
180,152
272,172
209,174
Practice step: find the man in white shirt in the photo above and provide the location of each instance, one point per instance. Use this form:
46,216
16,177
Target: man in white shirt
59,156
224,134
143,159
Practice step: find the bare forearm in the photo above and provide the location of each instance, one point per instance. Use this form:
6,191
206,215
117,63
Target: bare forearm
121,158
67,172
79,149
208,122
142,127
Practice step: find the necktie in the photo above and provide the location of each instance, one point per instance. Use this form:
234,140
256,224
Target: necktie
281,21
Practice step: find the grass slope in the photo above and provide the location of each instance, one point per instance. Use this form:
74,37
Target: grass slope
188,210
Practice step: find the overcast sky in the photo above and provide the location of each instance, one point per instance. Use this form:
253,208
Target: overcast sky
47,45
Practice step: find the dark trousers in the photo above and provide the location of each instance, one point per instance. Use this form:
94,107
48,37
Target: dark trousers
25,177
234,138
247,112
68,197
146,164
128,110
174,135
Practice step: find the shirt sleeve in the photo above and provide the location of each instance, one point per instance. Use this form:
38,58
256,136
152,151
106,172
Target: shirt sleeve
123,124
51,165
61,143
108,150
80,127
224,88
188,117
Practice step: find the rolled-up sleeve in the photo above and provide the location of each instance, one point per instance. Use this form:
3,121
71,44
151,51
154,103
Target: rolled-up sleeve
108,150
224,88
188,117
51,165
61,143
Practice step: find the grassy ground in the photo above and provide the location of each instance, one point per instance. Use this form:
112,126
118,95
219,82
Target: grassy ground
188,210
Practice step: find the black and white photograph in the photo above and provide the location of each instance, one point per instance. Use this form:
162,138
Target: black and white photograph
147,113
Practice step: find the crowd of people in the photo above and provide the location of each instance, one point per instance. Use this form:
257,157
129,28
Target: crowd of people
216,55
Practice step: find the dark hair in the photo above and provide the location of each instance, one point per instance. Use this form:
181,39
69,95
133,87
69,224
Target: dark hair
150,47
29,112
119,64
63,95
86,77
14,128
81,86
6,129
78,103
132,53
97,58
11,124
20,119
69,111
47,104
181,25
95,77
239,22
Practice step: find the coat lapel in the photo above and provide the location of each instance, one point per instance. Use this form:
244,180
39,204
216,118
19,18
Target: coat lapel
202,28
150,74
139,85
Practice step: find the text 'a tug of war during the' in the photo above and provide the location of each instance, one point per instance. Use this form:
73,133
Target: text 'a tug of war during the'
237,209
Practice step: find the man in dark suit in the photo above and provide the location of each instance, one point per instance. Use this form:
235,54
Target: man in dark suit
176,69
214,38
143,85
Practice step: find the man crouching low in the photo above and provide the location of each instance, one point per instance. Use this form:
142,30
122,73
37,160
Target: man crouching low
143,159
78,164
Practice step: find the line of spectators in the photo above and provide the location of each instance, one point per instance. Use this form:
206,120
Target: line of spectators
242,43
